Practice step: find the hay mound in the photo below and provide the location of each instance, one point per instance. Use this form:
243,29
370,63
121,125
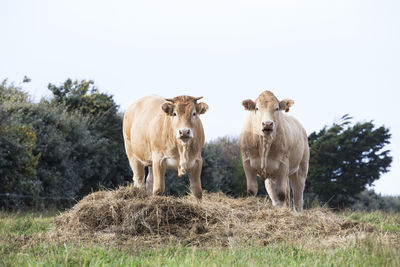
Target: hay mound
128,216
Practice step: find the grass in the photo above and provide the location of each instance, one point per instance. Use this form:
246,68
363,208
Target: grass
25,223
21,245
381,221
277,255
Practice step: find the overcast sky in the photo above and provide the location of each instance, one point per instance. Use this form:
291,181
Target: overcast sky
330,57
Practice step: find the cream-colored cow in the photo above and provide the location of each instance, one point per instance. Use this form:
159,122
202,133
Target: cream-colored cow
274,147
164,134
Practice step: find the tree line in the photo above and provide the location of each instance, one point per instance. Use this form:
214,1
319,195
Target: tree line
56,151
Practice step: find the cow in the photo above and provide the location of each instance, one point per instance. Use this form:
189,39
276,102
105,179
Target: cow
162,134
274,146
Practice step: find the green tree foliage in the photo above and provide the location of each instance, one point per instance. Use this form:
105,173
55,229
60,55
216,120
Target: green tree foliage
109,163
64,145
82,96
344,159
9,93
176,186
222,168
218,170
78,144
18,163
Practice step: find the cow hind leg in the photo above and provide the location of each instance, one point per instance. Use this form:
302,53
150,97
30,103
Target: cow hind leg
136,166
297,181
138,173
287,199
149,180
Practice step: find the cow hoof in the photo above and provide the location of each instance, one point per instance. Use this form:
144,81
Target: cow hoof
251,193
198,195
278,204
158,192
281,196
140,186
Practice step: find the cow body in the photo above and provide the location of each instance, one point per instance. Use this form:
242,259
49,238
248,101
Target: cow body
164,134
274,146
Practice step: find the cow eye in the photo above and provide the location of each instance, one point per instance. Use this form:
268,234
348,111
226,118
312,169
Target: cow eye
194,114
174,114
256,109
276,109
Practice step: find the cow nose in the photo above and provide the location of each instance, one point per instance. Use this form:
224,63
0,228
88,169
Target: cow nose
268,125
185,133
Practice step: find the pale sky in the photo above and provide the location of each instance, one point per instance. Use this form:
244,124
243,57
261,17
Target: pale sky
330,57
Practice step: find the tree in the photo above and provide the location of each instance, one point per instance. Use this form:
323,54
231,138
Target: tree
345,159
76,143
109,163
82,96
222,168
18,162
218,171
9,93
65,146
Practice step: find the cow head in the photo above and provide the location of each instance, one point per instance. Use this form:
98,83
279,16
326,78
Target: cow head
184,111
266,110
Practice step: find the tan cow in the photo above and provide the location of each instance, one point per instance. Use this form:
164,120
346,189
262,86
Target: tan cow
274,146
164,134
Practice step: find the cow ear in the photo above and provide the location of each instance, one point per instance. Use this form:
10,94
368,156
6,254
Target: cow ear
285,104
201,108
168,108
249,104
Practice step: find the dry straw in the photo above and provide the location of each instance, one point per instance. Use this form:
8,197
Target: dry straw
129,217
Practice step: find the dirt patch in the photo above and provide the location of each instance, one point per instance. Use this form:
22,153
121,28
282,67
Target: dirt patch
129,217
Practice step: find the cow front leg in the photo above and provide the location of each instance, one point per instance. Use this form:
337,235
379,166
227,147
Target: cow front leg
277,186
195,179
159,167
251,178
276,189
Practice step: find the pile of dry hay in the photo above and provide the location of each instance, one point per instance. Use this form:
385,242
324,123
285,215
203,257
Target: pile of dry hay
128,216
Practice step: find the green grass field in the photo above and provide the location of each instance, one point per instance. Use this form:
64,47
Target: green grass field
21,244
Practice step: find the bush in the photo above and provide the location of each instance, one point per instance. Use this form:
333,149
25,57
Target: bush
18,161
368,200
18,164
71,152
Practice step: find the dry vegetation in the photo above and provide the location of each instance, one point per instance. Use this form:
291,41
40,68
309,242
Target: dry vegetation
128,218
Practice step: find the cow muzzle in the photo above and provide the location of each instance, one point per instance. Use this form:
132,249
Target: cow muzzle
184,134
267,127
